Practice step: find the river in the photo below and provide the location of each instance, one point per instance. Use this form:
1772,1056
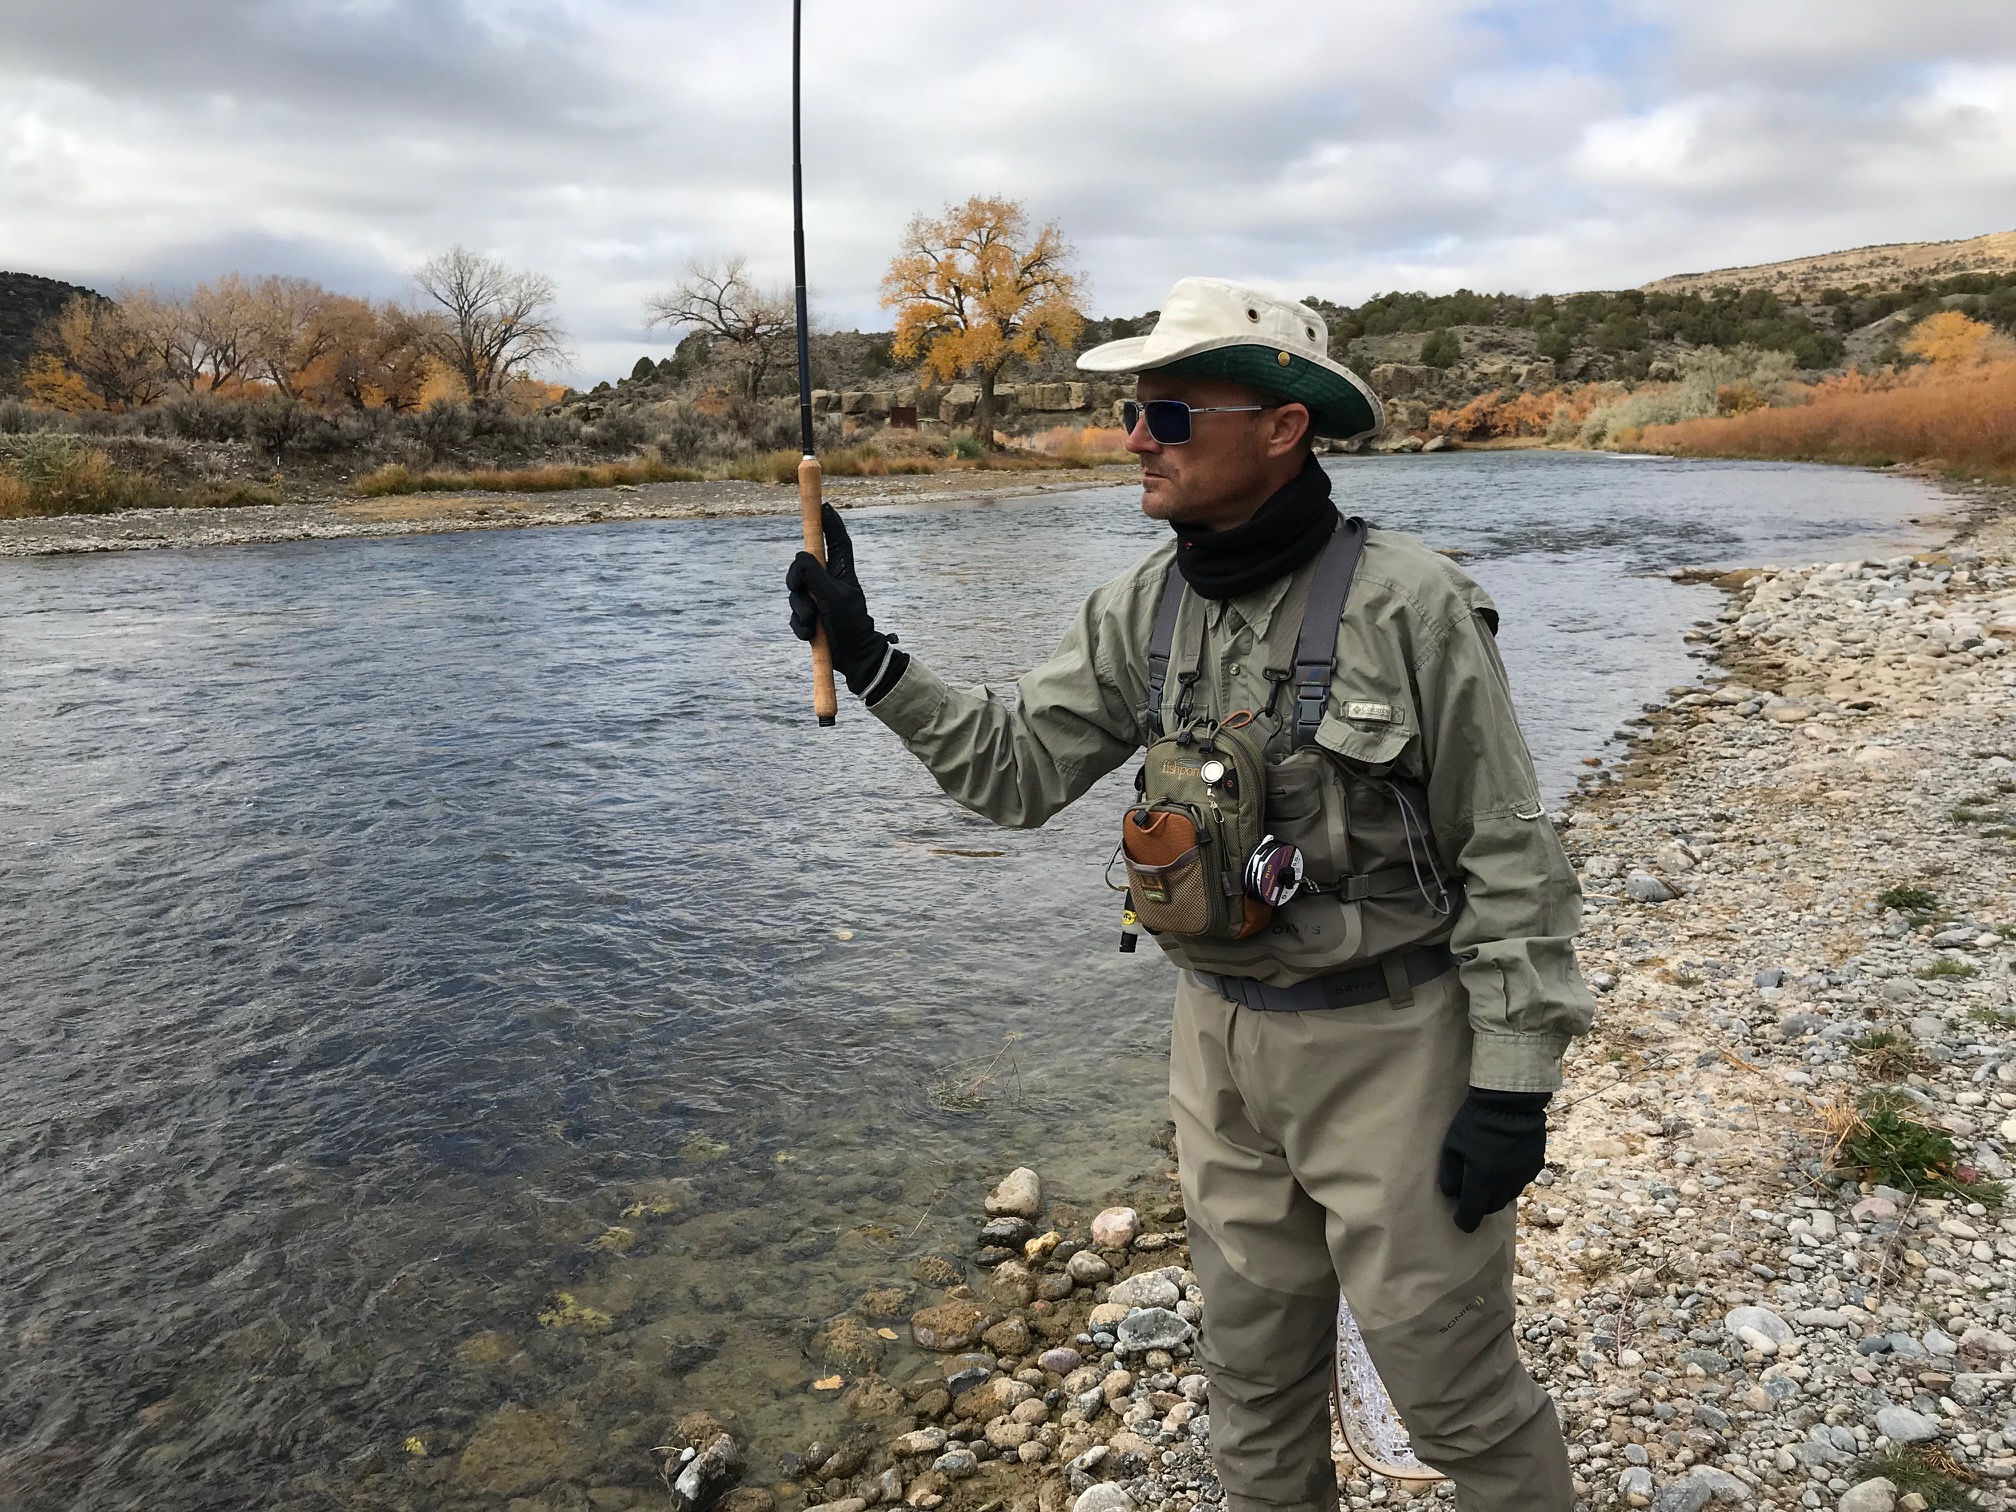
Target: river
383,918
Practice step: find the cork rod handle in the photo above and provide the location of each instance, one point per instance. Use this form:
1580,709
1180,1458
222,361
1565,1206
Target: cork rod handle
810,498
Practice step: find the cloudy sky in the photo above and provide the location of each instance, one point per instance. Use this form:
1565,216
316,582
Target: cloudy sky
1333,147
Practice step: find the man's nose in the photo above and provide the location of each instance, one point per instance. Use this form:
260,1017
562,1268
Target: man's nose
1139,441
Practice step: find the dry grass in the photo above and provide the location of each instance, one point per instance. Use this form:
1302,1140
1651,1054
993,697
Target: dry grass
47,473
1960,419
1082,445
553,478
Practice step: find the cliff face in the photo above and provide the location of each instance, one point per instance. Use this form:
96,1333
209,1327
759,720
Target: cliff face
26,301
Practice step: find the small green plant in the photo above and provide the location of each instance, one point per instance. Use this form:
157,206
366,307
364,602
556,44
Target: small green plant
1909,900
1882,1136
1965,816
1944,967
1994,1016
967,446
1929,1472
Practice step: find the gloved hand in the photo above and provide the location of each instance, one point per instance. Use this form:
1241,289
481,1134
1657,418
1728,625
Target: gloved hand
831,596
1495,1145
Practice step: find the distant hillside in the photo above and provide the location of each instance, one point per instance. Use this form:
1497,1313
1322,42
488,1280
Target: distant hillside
26,301
1886,267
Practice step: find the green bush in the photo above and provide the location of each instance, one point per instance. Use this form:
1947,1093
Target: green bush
1441,349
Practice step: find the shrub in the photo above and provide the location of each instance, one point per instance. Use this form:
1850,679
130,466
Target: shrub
400,479
1910,900
1963,419
200,419
54,473
1703,377
1441,349
966,446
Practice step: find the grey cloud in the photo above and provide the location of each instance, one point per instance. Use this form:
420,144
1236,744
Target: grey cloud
1328,149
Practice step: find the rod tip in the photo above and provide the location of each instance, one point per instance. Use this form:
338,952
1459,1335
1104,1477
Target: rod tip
827,721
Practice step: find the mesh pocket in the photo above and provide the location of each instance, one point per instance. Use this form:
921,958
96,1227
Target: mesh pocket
1166,871
1172,899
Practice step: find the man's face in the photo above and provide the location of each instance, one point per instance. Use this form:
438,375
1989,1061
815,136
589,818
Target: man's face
1230,464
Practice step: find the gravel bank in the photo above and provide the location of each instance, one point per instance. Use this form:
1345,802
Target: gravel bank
1721,1317
339,517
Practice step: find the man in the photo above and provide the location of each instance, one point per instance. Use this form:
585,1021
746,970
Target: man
1360,1089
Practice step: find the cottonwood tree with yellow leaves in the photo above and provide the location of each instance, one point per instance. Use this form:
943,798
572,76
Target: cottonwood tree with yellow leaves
973,291
1951,339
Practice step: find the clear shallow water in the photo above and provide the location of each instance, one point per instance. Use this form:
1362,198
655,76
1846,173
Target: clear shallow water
381,918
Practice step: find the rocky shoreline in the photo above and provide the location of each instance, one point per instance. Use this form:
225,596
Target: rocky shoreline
340,517
1802,929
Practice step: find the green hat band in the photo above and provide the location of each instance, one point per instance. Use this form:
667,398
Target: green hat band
1337,407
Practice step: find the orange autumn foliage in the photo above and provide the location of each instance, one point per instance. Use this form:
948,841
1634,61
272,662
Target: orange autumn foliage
1508,413
1951,339
1960,418
973,290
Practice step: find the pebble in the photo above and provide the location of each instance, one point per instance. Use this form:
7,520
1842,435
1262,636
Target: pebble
1149,1289
956,1464
1153,1328
1020,1195
1643,887
1901,1425
1759,1320
1115,1228
1088,1268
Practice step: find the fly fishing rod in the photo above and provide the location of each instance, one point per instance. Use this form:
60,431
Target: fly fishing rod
810,495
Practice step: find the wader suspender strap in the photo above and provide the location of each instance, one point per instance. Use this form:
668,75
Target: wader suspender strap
1159,643
1316,646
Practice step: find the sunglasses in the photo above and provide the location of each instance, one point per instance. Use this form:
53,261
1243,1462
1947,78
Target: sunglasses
1169,419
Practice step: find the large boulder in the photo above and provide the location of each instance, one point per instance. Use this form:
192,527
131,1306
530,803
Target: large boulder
1396,380
1051,397
960,400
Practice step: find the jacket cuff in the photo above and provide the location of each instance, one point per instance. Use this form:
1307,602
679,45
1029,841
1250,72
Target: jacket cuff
1517,1062
912,701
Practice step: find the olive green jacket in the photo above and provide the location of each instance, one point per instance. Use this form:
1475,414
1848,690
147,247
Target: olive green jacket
1419,686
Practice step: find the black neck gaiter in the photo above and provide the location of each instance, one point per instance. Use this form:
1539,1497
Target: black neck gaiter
1285,532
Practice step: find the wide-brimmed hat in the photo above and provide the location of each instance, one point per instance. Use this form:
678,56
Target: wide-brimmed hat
1214,328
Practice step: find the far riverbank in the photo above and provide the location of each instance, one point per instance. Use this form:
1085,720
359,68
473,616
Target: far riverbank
326,518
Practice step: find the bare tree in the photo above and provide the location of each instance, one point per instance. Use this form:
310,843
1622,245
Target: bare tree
221,328
294,329
495,321
751,330
112,350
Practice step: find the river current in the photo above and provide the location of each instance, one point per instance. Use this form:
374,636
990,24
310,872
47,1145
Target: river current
385,919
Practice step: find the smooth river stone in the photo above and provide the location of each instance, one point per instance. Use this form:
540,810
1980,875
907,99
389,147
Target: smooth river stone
1115,1228
1020,1195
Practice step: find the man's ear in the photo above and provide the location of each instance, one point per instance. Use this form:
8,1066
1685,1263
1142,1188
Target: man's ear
1288,429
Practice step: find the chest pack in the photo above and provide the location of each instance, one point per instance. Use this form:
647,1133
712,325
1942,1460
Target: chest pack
1280,870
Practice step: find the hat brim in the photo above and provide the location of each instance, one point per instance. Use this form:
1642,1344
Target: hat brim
1341,406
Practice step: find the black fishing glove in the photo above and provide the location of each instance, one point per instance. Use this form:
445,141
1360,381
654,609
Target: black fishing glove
1495,1145
831,596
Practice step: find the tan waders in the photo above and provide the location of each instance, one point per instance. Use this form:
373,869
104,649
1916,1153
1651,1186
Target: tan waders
1308,1145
